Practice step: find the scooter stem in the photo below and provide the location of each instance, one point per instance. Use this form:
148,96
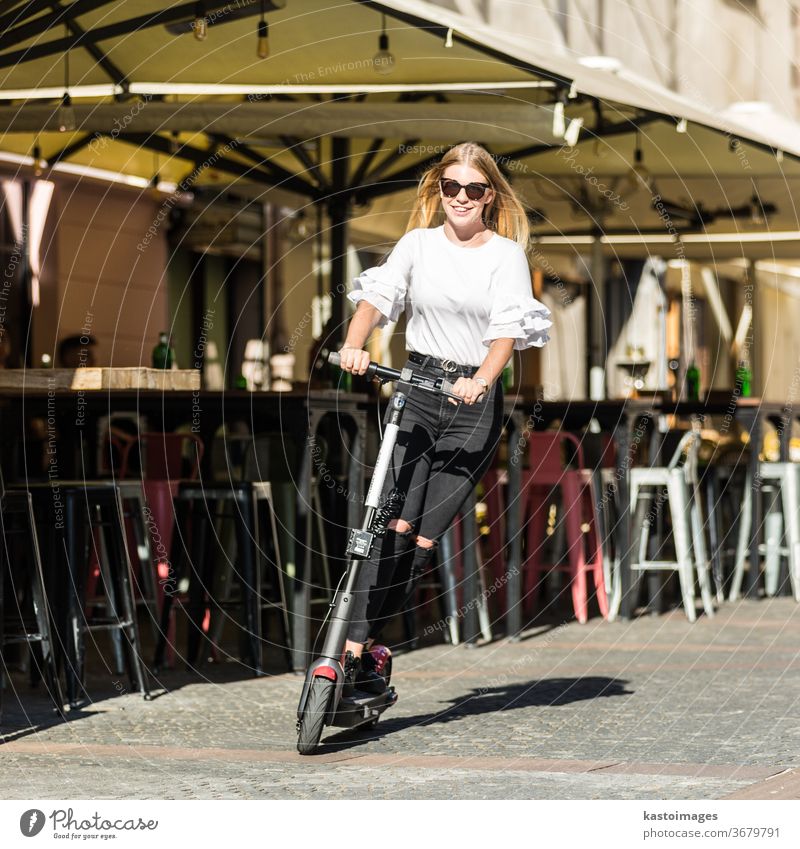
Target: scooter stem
336,636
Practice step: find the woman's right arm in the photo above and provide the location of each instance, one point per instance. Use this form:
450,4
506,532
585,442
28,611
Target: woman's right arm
365,319
380,294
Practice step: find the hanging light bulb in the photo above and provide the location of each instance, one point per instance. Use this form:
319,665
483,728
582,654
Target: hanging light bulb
152,187
263,37
757,216
39,164
383,61
639,170
200,24
66,115
639,177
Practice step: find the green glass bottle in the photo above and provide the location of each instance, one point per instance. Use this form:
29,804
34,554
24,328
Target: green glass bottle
744,379
163,355
693,382
507,377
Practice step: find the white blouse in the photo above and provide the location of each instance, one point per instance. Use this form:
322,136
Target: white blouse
457,300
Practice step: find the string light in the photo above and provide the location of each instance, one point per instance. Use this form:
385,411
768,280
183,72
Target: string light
66,114
383,61
39,164
263,36
200,24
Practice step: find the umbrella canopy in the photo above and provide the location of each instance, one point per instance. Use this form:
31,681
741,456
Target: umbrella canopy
591,150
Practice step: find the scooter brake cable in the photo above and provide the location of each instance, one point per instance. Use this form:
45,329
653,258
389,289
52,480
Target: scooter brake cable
325,618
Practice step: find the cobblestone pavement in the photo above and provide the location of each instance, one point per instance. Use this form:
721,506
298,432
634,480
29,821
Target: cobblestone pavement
655,708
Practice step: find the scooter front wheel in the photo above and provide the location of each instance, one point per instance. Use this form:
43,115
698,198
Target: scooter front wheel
309,729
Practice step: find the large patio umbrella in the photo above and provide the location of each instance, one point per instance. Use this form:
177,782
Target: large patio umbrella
356,97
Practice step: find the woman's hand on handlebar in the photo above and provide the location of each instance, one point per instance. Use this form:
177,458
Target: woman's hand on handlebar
468,390
354,360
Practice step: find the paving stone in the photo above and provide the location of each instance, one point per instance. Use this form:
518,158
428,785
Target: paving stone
655,708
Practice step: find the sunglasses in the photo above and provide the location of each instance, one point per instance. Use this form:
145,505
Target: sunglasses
475,191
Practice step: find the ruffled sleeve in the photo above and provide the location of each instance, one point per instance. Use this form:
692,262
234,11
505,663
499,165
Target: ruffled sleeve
385,286
515,313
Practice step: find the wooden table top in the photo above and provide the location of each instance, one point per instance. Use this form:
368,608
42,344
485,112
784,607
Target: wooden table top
93,379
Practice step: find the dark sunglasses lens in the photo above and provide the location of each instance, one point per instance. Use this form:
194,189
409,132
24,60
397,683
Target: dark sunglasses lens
475,191
450,188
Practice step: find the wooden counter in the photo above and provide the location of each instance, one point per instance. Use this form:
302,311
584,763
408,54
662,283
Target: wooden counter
91,379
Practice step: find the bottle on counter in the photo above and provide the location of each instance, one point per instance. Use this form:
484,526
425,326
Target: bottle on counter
507,376
693,382
163,354
744,379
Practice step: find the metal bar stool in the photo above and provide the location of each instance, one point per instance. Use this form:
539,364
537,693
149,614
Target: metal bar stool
677,480
781,527
17,520
458,564
204,507
725,486
92,513
114,459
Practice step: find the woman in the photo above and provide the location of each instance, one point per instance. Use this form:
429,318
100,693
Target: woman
466,289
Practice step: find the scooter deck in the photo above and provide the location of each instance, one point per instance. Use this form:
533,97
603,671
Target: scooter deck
362,709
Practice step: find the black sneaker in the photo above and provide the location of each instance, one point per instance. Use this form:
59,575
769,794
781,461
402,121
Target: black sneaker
358,679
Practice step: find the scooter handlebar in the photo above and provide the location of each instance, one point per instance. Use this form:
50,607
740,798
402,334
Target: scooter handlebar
445,387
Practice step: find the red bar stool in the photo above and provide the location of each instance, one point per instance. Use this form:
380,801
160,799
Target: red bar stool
167,460
548,470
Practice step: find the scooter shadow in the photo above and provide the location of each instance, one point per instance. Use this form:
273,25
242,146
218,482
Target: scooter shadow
547,692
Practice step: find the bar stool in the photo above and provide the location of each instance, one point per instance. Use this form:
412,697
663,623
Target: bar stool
600,456
584,552
249,461
449,584
117,445
471,575
724,484
92,519
781,528
166,459
202,508
678,480
17,520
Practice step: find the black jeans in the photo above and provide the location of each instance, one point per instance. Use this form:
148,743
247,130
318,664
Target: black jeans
442,452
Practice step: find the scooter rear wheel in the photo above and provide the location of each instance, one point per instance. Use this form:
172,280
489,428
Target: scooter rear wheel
310,726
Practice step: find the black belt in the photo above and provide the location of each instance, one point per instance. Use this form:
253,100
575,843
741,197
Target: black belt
447,366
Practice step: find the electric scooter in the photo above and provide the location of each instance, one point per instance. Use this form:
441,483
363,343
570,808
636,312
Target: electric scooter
321,702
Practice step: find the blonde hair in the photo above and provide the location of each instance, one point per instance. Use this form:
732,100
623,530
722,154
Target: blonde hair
505,214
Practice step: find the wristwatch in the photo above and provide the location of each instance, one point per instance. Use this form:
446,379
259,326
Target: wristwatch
483,382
